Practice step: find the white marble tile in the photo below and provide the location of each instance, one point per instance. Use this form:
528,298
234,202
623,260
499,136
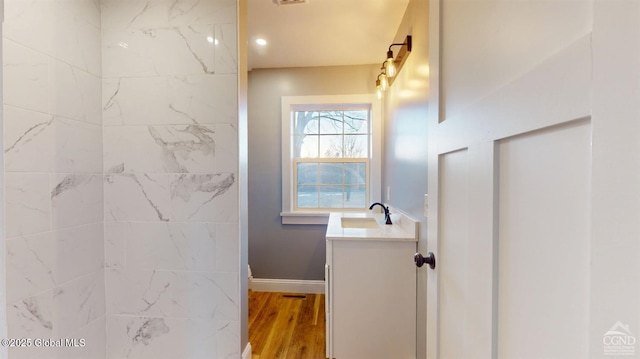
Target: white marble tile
226,148
200,337
78,303
226,59
74,93
162,149
142,338
171,246
94,335
80,250
35,142
114,149
114,244
157,51
136,101
21,17
228,339
138,14
78,22
227,247
31,317
25,77
29,140
161,338
149,14
41,24
205,99
206,295
78,147
159,100
186,12
28,204
140,292
76,199
204,197
31,262
132,197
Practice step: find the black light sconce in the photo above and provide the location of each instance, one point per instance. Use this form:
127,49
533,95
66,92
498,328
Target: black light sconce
391,66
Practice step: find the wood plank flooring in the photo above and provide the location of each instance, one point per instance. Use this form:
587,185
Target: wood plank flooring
286,325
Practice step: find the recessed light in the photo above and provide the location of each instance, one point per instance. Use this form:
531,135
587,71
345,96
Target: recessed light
261,42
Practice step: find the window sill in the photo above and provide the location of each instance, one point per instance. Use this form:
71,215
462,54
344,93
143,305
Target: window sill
304,217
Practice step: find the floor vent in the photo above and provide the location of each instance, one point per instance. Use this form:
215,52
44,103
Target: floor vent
290,2
295,296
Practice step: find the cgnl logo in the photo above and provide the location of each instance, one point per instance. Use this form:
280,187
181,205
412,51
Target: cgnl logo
619,340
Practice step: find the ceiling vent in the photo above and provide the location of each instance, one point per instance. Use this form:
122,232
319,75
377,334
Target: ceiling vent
290,2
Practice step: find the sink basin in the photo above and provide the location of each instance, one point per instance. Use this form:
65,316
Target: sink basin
361,222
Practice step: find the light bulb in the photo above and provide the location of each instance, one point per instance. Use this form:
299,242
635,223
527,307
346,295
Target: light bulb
390,68
384,82
379,92
389,65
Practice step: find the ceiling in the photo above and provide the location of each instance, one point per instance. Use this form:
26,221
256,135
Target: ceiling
322,32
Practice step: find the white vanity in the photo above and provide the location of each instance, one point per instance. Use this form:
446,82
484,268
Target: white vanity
370,286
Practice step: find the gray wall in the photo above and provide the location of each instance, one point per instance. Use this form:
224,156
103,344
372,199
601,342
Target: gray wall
278,251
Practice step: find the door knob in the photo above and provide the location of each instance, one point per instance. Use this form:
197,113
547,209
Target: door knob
420,260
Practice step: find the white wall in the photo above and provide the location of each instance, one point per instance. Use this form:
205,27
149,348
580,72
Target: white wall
53,164
171,178
487,44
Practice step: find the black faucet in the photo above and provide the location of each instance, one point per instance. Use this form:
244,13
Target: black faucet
387,216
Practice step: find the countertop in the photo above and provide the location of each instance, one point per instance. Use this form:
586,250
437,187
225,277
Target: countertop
404,228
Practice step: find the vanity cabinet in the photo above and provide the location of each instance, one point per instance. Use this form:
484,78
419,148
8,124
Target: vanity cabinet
370,295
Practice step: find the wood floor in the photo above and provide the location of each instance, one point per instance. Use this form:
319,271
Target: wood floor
286,326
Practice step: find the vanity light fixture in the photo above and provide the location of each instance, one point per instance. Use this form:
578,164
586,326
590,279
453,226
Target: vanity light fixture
391,66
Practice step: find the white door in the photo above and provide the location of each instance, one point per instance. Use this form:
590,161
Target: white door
534,186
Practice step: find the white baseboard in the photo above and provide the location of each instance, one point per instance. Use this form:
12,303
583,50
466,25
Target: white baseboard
287,285
246,354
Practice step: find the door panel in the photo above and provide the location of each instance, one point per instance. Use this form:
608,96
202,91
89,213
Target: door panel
453,262
543,242
510,226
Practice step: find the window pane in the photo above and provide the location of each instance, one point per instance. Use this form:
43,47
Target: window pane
331,122
330,146
306,122
307,173
331,173
307,197
355,197
355,146
355,173
331,196
356,121
306,146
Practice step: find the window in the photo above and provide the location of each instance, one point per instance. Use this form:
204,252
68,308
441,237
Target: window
330,155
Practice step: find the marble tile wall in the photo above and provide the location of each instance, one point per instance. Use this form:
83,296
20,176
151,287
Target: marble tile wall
53,169
169,97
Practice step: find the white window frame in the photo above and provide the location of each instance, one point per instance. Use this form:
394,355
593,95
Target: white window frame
289,103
